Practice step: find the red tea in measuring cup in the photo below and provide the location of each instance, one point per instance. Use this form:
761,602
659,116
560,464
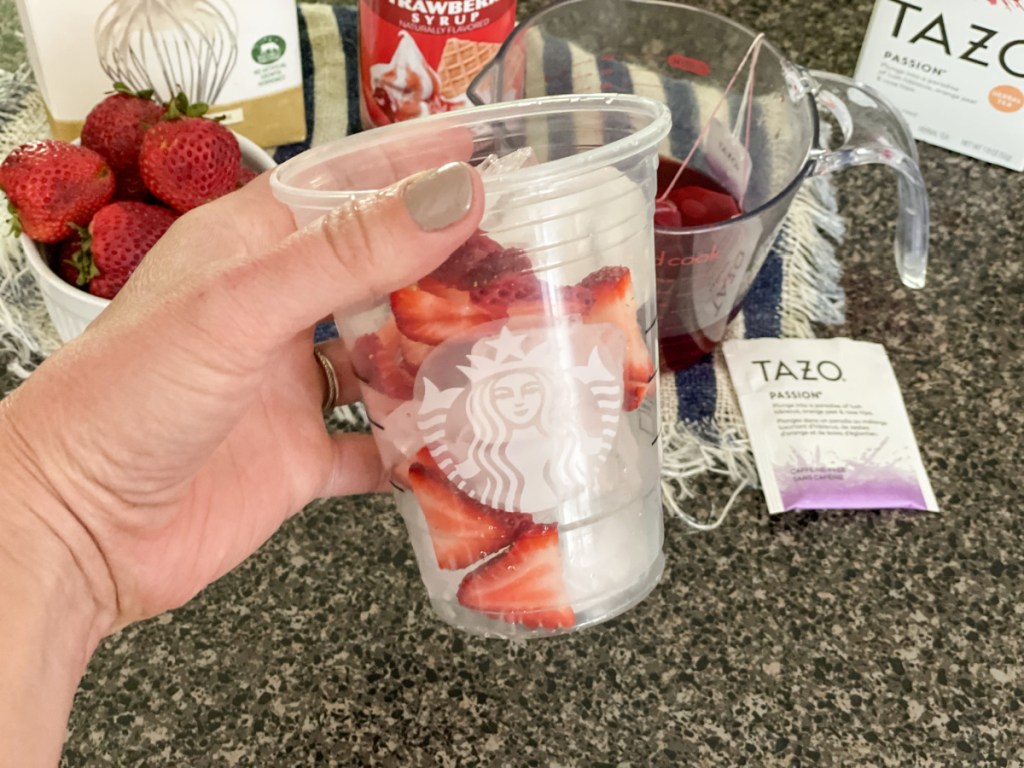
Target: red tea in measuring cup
690,198
695,274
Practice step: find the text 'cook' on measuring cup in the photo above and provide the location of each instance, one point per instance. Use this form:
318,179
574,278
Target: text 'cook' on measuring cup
760,139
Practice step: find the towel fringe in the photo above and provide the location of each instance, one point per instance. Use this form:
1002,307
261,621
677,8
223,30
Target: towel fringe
26,334
15,88
811,293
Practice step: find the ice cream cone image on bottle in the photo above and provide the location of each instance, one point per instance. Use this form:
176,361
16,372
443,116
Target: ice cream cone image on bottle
405,86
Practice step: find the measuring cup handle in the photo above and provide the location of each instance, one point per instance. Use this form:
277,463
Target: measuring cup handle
874,132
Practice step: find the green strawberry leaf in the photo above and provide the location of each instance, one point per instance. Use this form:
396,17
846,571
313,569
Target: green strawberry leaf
173,112
145,93
14,221
180,106
197,110
82,232
81,258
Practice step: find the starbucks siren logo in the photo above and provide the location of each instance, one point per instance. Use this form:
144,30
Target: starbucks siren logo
268,49
524,419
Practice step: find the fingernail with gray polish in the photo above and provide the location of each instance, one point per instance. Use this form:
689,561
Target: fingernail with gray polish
440,198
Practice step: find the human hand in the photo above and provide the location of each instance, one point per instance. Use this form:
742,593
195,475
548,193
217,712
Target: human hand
174,436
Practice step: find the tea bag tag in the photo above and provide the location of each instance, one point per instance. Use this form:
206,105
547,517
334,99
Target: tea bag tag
727,159
726,154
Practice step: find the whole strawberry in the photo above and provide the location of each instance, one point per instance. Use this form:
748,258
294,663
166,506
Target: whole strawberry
52,185
120,235
186,159
115,128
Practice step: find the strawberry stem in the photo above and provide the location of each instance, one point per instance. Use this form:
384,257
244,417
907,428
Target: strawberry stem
146,93
81,259
179,107
14,221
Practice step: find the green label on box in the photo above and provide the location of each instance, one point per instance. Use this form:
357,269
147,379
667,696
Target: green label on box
268,49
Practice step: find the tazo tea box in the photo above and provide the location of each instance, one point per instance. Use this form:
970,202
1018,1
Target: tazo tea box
827,425
239,57
955,69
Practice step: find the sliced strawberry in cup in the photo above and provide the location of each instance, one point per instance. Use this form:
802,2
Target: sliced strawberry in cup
524,295
462,529
522,585
413,353
464,259
572,300
509,261
478,261
442,289
377,359
498,295
614,302
430,318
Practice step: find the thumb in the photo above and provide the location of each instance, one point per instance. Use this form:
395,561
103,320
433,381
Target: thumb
353,257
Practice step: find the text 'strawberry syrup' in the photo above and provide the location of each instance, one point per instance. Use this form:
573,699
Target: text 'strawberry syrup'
416,57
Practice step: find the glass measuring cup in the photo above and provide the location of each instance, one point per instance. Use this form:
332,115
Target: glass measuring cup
511,391
685,57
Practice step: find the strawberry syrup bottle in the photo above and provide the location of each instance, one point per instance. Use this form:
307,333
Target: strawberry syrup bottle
417,57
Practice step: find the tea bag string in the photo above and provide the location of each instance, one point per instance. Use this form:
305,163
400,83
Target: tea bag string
752,51
715,518
748,98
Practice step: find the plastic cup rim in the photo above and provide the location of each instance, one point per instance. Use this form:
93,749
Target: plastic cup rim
604,155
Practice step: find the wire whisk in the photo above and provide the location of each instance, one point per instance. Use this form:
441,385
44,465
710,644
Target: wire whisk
169,46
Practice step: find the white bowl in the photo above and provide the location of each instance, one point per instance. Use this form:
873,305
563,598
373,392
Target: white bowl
71,309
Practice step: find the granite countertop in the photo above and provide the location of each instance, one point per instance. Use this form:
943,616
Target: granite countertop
836,638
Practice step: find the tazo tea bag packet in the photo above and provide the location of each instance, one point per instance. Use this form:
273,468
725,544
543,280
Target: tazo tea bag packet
241,58
955,69
827,425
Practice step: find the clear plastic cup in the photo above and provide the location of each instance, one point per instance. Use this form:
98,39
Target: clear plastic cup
512,391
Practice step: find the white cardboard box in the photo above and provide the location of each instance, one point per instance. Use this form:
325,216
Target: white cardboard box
253,48
955,69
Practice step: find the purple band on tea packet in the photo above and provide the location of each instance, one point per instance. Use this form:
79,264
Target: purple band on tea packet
866,488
